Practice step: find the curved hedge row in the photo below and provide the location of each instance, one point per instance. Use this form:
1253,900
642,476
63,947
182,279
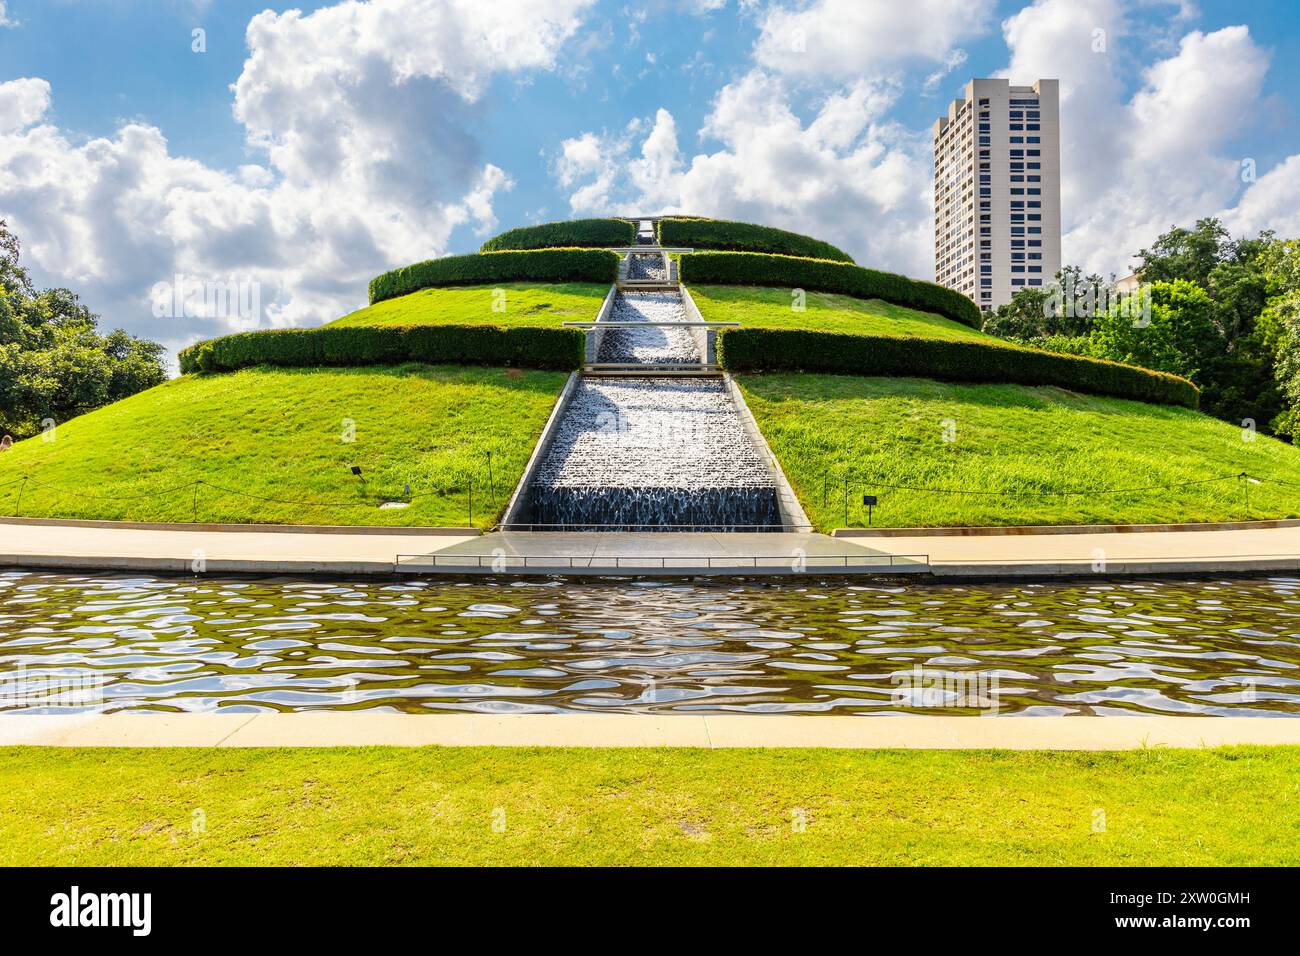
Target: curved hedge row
956,360
542,265
389,345
818,275
745,237
574,232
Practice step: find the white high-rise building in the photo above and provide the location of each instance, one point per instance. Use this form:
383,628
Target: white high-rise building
997,190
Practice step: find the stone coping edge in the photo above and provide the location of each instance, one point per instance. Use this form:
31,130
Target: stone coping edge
713,732
520,503
242,528
1065,529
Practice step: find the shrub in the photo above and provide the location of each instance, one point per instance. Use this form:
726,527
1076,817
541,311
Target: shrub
575,232
819,275
744,237
389,345
957,360
543,265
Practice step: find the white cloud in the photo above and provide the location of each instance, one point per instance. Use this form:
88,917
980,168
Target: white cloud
1272,202
22,103
1133,165
4,17
847,39
846,176
364,113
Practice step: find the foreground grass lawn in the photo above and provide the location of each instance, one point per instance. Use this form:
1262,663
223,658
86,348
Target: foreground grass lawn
525,304
761,308
1014,449
1231,806
282,434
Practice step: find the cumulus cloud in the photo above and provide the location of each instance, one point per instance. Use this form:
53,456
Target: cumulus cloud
4,17
1133,165
1271,202
851,38
362,112
22,103
847,175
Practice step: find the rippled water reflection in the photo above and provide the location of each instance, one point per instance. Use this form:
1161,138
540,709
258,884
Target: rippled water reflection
78,642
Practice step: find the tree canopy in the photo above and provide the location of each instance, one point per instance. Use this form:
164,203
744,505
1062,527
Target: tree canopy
54,362
1212,318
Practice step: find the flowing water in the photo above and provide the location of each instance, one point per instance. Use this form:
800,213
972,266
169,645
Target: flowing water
637,453
133,643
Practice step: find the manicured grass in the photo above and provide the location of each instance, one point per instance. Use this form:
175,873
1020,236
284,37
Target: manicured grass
1013,450
770,309
280,434
525,304
1234,806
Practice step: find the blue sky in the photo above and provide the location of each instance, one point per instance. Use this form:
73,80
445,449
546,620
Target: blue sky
363,136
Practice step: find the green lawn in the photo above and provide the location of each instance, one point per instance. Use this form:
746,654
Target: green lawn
1235,806
524,304
1014,445
770,309
280,434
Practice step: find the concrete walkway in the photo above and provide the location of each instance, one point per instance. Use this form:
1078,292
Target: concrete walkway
285,550
610,730
367,551
1050,553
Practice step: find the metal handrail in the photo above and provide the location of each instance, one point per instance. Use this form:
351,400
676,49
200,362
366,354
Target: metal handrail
652,367
648,250
661,562
596,324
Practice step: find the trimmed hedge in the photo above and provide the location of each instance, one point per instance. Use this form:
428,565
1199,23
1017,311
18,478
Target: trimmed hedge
745,237
819,275
574,232
389,345
958,360
542,265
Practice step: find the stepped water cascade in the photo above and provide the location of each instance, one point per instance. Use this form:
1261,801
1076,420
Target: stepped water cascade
668,452
654,344
661,453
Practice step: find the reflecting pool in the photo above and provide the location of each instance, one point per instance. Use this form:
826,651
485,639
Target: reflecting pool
76,642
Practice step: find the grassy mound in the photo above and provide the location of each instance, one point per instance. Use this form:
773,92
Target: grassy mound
759,308
270,446
573,232
528,304
731,236
822,275
537,265
1017,454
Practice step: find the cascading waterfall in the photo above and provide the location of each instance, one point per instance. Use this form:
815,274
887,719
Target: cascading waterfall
653,345
642,453
666,453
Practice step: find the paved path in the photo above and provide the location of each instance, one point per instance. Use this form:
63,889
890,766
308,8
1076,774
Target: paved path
362,552
1135,552
612,730
373,551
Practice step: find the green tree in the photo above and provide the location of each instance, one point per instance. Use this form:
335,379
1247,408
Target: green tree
1057,317
1181,337
1280,325
54,362
1240,381
1189,254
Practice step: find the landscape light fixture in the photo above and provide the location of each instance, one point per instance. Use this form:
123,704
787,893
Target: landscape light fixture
356,470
